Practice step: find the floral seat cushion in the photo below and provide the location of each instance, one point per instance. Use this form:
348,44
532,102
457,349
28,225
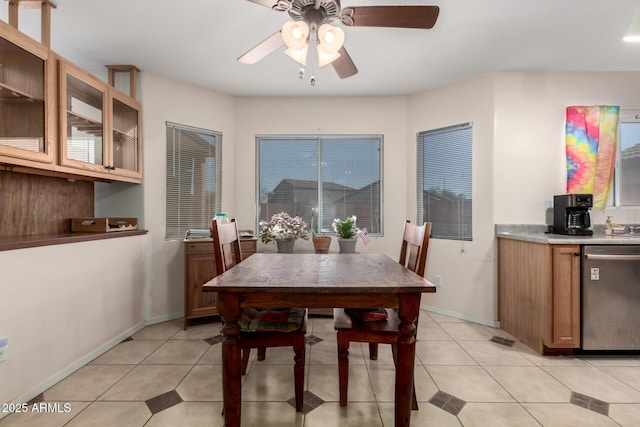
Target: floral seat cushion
272,320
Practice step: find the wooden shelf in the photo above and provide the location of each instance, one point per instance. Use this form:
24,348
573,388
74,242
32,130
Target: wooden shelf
84,124
10,93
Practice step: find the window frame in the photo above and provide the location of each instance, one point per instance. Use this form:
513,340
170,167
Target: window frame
627,115
217,204
420,190
321,190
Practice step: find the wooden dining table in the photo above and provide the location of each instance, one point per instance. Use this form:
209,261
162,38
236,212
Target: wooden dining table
318,281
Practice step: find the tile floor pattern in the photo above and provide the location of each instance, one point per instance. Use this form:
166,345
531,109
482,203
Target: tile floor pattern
466,375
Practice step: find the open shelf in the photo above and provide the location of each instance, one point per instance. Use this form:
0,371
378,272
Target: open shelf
12,94
84,124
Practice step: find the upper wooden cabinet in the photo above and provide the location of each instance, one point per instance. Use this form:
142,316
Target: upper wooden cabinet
99,127
58,118
27,101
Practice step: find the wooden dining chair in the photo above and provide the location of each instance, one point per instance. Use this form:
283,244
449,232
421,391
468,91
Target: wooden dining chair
413,255
262,328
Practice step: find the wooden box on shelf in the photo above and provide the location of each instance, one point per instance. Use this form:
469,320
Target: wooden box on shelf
103,225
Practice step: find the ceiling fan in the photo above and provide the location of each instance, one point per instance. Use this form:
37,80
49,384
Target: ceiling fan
311,29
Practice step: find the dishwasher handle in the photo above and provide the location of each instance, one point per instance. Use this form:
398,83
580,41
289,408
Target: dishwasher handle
618,257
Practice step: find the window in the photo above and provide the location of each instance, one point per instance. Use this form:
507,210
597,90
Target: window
627,173
444,181
325,177
193,178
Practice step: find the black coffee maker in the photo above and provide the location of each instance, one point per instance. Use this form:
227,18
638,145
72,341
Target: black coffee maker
571,214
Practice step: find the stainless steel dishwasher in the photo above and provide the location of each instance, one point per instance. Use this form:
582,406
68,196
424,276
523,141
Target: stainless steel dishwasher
611,297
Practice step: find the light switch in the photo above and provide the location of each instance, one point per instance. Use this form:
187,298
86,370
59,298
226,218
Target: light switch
595,273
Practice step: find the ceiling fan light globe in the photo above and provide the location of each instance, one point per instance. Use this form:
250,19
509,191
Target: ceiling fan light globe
299,55
325,58
294,34
331,38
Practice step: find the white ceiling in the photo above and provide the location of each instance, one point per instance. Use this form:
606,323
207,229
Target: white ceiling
198,41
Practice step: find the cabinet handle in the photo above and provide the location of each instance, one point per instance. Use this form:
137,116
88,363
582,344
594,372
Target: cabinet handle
576,254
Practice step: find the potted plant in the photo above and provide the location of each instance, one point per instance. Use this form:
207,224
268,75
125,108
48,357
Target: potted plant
347,232
320,243
284,229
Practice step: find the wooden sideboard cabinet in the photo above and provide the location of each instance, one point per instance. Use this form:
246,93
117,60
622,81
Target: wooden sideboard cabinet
539,294
199,268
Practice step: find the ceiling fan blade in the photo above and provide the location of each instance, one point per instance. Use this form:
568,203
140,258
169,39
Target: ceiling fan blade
279,5
344,65
423,17
262,49
267,3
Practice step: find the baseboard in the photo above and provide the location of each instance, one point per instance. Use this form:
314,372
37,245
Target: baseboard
164,318
438,310
48,383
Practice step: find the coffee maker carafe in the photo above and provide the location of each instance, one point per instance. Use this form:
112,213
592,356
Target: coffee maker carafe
571,214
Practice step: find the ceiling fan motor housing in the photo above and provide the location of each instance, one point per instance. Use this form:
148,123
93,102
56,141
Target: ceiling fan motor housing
314,11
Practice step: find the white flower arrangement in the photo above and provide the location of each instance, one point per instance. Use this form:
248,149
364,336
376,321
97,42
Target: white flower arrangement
346,229
283,226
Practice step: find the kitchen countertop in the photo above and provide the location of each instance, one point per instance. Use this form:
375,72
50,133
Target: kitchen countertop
537,234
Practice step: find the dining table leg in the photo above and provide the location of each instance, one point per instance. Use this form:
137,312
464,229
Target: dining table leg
229,309
408,313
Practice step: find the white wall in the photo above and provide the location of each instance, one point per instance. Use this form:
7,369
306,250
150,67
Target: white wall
467,268
518,165
169,100
325,116
63,305
529,143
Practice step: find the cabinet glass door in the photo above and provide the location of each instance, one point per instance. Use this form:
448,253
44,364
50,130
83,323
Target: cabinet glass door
85,129
22,100
125,144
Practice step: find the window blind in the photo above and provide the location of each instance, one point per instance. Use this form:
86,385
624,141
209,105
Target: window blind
193,178
445,181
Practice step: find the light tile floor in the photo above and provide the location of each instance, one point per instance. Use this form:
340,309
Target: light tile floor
167,376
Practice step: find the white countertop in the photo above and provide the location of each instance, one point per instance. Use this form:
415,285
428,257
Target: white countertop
561,239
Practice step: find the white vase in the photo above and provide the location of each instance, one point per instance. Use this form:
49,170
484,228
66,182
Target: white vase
347,246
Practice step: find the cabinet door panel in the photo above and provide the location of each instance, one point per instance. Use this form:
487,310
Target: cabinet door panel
82,114
565,322
26,100
201,269
126,155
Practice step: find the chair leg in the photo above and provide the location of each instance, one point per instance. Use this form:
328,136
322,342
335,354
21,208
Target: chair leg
343,366
414,399
245,360
298,370
262,353
373,350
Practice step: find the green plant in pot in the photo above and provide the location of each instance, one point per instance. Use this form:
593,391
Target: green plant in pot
320,243
347,232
